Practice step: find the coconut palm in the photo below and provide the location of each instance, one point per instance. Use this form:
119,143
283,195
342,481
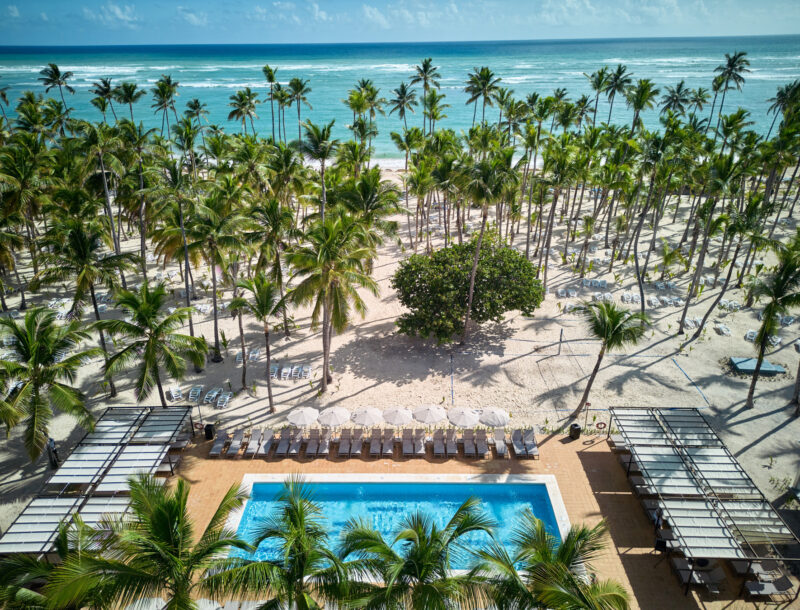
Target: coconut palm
243,104
615,328
618,82
103,89
786,98
319,146
298,92
128,93
732,71
4,101
482,85
598,81
676,99
40,374
427,74
153,340
640,97
414,569
331,265
52,77
404,100
543,571
154,553
270,74
781,291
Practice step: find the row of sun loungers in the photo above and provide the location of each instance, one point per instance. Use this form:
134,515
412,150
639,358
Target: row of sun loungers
289,371
751,335
665,302
375,442
252,356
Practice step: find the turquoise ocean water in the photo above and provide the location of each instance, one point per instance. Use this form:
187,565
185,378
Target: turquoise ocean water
214,72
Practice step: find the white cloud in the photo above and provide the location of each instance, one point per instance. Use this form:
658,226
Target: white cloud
283,6
318,13
111,15
192,18
280,11
374,15
13,11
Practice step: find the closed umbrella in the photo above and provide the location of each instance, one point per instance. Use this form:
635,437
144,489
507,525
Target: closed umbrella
304,416
397,416
494,417
369,416
464,418
334,416
430,414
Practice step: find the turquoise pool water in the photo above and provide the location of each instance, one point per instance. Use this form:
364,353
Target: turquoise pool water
385,504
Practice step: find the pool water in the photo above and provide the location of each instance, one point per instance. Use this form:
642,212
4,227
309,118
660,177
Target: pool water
386,504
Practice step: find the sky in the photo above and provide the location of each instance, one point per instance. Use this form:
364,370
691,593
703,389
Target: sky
93,22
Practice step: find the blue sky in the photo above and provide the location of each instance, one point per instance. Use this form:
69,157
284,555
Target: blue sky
69,22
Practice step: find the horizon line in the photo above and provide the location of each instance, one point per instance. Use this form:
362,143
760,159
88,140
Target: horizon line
399,42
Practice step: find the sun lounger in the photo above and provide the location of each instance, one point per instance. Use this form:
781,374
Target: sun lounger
438,444
324,443
469,443
481,444
637,299
750,336
408,443
517,444
780,587
419,443
451,443
219,444
572,293
194,393
561,293
211,395
273,371
500,447
296,442
255,354
375,442
239,358
236,443
356,442
531,448
283,443
175,393
254,443
296,371
223,399
305,373
387,447
313,443
595,283
286,371
266,444
586,282
344,443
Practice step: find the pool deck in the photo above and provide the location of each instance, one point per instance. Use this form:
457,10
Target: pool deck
592,485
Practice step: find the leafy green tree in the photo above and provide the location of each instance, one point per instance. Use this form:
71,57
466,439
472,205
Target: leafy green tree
41,374
154,340
433,288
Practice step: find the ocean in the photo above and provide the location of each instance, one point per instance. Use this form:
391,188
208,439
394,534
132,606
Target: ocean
213,73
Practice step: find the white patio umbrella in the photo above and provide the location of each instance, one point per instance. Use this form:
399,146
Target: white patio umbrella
304,416
397,416
464,418
430,414
368,416
494,417
334,416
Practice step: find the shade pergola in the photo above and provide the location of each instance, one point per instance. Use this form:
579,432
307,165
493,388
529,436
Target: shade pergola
132,460
161,426
36,528
85,466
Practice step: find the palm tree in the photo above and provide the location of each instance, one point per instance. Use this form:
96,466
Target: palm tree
781,290
105,91
75,251
640,97
4,101
427,74
615,328
153,340
319,146
677,98
618,82
298,92
270,75
414,569
154,553
481,84
52,77
543,571
332,265
786,98
404,100
264,303
128,93
42,374
732,71
243,103
698,99
598,81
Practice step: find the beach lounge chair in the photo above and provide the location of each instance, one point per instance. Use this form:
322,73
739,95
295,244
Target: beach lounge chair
481,444
586,282
283,443
296,371
223,399
419,443
239,358
438,444
469,443
660,286
531,448
175,393
255,354
266,444
254,443
212,395
451,443
236,443
572,293
375,442
750,336
273,371
787,320
561,293
774,340
194,393
781,587
306,372
637,298
517,444
595,283
344,443
324,443
688,323
219,444
313,443
296,442
387,447
626,297
608,297
500,447
408,443
603,284
356,442
286,371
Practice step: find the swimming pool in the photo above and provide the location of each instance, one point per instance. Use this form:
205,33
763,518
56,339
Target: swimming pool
385,500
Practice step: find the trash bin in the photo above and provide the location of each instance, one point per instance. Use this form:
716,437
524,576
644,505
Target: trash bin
575,432
210,431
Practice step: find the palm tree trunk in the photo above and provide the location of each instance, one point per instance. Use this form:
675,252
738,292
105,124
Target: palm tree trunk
474,272
186,268
325,345
269,367
272,112
591,381
750,394
217,357
160,387
244,353
109,212
721,292
112,391
299,137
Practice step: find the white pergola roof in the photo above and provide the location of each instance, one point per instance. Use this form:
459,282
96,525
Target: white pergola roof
639,426
699,529
115,426
664,470
97,507
85,465
161,425
132,460
36,528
